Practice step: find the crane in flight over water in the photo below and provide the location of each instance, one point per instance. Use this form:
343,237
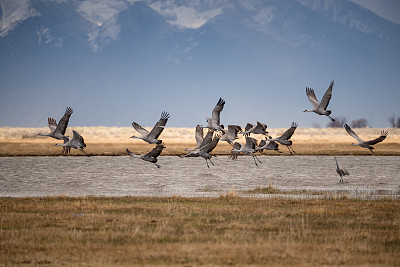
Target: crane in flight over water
199,138
320,108
341,171
57,131
249,148
150,156
151,137
259,128
284,138
366,144
76,142
213,123
208,145
268,145
230,135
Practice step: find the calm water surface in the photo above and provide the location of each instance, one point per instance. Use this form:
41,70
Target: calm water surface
125,176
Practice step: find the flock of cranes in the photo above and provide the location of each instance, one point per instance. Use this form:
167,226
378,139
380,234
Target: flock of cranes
215,132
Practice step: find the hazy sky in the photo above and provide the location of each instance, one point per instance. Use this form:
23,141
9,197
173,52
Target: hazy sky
120,61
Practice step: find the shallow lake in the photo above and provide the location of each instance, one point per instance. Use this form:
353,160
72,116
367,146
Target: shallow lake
126,176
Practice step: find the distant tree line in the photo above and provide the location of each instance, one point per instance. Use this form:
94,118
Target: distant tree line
394,123
360,123
340,121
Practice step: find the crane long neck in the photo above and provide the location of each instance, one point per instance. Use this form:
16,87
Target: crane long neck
337,164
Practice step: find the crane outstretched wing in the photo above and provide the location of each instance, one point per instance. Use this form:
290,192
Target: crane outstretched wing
289,132
52,124
327,97
63,123
379,139
217,110
199,135
159,127
260,128
251,143
352,133
140,129
156,151
312,98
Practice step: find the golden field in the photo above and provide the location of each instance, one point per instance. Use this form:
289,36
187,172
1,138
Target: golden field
174,231
114,141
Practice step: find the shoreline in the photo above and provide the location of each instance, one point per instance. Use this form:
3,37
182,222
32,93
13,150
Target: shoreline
46,148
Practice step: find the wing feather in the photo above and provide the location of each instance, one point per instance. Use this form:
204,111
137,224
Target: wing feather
52,124
289,132
159,127
352,133
140,129
63,123
156,151
312,98
327,97
217,110
199,135
379,139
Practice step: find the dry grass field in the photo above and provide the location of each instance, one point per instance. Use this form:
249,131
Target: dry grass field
114,141
178,231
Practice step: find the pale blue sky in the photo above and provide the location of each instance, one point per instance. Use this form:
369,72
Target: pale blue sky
120,61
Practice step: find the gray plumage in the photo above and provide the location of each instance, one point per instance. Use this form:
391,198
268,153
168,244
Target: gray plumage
259,128
365,144
57,131
199,138
76,142
268,145
151,137
341,171
284,138
230,135
150,156
320,107
214,123
206,146
249,149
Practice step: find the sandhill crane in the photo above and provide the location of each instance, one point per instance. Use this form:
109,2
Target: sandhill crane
320,108
268,145
366,144
150,156
284,138
341,171
259,128
205,150
199,138
249,148
76,142
231,134
214,121
57,131
151,137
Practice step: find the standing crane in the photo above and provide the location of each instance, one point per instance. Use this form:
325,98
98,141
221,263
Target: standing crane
320,108
365,144
341,171
151,137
